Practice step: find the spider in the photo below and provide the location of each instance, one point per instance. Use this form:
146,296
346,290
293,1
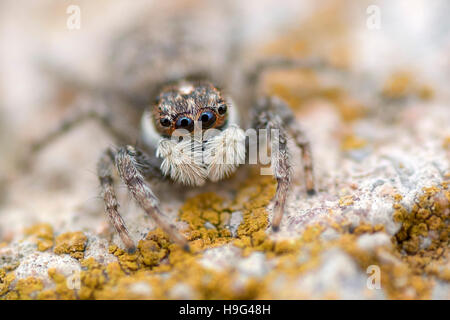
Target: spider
189,102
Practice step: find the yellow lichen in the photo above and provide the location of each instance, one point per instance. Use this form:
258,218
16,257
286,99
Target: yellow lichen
5,281
72,243
428,218
61,290
446,143
398,85
425,92
206,216
43,234
352,142
403,83
346,201
28,288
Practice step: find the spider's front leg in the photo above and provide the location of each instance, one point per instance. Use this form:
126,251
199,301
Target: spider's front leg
275,116
104,171
75,119
132,165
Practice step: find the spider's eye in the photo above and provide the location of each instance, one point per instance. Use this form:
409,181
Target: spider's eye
222,109
184,123
165,122
207,118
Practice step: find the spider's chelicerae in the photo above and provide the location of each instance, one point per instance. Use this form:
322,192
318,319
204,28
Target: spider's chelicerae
190,105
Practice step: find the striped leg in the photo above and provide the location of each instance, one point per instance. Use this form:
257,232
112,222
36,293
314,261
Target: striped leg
104,171
128,166
272,113
267,119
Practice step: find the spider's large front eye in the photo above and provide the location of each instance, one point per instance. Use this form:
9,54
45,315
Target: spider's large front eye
207,118
184,123
165,122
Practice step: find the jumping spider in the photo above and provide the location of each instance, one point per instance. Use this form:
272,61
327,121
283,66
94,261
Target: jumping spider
184,103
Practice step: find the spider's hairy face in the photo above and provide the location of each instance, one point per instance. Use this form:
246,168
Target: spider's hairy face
195,130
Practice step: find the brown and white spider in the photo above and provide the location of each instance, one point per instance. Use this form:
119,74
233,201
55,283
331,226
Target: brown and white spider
185,101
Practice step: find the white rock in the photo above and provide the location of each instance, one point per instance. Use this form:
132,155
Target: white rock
371,241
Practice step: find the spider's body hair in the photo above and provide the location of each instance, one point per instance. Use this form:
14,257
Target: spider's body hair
182,161
193,159
192,162
224,153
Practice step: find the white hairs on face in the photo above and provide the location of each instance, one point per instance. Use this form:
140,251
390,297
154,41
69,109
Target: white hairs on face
182,161
224,153
185,161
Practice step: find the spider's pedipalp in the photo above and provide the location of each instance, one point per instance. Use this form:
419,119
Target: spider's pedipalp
182,161
225,152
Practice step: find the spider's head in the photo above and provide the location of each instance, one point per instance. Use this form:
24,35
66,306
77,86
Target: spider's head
181,110
186,104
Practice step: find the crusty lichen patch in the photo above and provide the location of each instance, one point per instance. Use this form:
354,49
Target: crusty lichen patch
26,289
206,215
424,234
5,281
62,290
43,235
72,243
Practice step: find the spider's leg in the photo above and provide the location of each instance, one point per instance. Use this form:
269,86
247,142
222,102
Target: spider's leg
129,168
66,78
253,76
96,109
72,122
285,63
104,171
294,129
303,143
266,118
